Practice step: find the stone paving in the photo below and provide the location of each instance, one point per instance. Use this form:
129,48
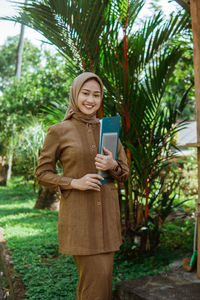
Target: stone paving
173,285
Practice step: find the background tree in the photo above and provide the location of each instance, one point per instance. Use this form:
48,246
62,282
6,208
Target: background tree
18,65
31,60
24,98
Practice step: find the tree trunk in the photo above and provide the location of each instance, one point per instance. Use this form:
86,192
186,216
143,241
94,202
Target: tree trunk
17,74
10,161
47,199
3,171
20,51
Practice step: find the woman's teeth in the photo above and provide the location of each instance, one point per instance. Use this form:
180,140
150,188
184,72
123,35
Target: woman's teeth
89,106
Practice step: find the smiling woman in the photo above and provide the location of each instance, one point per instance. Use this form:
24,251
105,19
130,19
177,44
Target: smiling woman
89,216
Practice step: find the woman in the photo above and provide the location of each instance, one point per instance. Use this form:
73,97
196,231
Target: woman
89,216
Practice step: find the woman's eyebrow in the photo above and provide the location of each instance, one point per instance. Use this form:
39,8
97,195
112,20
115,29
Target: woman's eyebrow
89,91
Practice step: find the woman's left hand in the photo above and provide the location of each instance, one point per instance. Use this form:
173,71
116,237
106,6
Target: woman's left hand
105,162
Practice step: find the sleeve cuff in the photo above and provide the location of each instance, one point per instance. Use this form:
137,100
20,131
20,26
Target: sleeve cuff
64,182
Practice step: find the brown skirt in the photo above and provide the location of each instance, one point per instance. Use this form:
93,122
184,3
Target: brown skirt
95,276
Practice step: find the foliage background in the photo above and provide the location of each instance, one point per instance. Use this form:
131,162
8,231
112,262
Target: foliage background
148,74
136,61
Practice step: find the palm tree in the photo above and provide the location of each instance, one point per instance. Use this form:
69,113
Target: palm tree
135,60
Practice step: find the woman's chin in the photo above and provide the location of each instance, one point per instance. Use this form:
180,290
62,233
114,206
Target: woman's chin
88,111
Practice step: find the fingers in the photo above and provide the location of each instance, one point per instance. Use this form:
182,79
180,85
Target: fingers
93,183
100,166
88,182
99,157
93,186
96,176
106,151
102,159
101,162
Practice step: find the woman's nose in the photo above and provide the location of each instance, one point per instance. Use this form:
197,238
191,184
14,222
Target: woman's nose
90,98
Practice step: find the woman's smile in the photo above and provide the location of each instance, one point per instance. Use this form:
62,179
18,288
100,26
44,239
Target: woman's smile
88,106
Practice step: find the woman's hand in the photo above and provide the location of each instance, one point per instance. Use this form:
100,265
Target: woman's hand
87,182
105,162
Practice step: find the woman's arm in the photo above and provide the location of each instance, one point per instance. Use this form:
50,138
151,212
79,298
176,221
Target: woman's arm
46,169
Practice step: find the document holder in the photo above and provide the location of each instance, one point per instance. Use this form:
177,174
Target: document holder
109,136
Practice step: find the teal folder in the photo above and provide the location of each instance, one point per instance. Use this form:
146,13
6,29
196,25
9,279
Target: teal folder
109,136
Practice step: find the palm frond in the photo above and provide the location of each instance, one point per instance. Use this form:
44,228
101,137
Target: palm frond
74,27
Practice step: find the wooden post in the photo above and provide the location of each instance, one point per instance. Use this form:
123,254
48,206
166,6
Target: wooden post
195,15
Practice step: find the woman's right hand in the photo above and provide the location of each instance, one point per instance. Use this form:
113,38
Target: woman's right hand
87,182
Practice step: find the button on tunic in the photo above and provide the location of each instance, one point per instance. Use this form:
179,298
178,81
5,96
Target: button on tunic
89,221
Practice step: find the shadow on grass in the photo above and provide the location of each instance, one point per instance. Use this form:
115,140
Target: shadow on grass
27,216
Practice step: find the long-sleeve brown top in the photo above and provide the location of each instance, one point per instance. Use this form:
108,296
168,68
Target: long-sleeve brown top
89,221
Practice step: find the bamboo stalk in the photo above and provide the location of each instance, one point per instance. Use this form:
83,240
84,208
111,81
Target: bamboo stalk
195,15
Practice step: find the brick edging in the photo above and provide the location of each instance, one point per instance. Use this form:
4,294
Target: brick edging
17,290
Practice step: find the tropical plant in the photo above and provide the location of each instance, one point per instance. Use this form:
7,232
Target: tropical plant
135,60
27,148
26,155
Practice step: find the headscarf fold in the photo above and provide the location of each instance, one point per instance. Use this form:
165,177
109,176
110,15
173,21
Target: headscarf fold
73,110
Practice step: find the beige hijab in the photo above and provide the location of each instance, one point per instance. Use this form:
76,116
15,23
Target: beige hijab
73,110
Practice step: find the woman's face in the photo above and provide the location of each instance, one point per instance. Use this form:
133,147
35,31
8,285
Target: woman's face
89,97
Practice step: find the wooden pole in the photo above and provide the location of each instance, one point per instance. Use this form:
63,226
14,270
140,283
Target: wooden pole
184,4
195,15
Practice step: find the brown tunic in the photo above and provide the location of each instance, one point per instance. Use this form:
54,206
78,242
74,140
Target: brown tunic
89,221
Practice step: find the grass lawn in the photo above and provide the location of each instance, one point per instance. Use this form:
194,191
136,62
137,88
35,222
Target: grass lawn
31,237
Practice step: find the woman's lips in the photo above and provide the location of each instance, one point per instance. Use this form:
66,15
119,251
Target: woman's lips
89,106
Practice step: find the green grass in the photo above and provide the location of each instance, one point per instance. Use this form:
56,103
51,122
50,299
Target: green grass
31,237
